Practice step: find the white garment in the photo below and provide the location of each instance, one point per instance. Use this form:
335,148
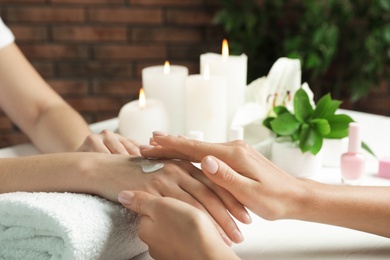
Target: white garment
6,36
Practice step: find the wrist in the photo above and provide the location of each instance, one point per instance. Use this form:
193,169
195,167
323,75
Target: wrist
302,199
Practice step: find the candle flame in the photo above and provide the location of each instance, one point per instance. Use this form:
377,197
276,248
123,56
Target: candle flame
206,72
167,67
142,99
225,49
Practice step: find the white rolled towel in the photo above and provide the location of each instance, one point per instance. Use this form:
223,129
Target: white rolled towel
66,226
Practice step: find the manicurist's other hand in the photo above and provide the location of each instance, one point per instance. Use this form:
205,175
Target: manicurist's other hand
175,230
256,182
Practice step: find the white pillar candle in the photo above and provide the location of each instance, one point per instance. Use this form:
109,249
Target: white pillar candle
206,106
167,83
234,68
139,118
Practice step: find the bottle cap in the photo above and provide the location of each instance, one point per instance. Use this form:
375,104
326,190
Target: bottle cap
354,142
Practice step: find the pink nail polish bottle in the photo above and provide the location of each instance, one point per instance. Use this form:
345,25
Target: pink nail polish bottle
353,162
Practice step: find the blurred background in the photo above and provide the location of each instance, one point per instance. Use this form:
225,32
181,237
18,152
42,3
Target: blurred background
92,51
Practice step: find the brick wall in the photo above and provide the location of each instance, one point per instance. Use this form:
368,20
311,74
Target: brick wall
92,51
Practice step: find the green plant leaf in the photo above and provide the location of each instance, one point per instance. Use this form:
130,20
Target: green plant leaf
334,105
285,124
339,126
310,140
368,149
267,122
321,126
280,110
302,106
322,106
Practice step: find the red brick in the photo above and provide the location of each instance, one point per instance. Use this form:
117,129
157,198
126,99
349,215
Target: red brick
166,2
188,17
84,2
45,14
89,33
191,52
95,104
53,51
29,33
122,88
122,15
5,123
69,87
45,69
95,69
22,1
12,139
129,52
166,35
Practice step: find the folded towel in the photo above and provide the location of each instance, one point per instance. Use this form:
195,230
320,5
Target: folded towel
66,226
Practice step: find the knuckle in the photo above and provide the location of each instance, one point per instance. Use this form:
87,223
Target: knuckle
227,176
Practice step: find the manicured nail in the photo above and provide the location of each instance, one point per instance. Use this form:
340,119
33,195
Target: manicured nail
246,218
126,197
159,133
145,147
227,240
237,236
210,165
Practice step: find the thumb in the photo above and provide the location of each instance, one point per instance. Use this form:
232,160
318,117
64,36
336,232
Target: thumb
137,201
221,174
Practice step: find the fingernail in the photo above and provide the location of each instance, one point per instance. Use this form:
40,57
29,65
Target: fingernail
126,197
227,240
145,147
210,165
246,218
159,133
237,236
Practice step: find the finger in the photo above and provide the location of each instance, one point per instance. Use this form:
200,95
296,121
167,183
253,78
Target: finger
132,147
230,202
138,201
112,142
214,206
94,143
193,150
181,194
220,173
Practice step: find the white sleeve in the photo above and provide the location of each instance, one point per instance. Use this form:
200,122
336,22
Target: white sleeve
6,36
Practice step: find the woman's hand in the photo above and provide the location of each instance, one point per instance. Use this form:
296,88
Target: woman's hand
109,142
175,230
256,182
177,179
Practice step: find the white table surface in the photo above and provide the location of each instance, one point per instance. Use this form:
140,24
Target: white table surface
292,239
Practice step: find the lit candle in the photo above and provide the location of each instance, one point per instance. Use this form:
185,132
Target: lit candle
139,118
167,83
234,68
206,106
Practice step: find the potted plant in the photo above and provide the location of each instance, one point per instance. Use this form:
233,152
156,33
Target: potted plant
300,133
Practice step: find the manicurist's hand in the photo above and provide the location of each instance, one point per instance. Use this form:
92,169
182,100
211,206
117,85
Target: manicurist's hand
176,179
175,230
272,194
256,182
109,142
